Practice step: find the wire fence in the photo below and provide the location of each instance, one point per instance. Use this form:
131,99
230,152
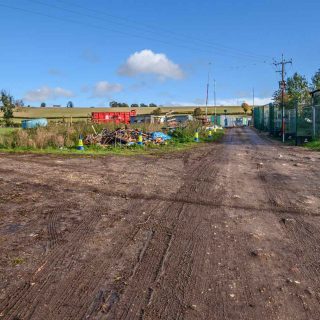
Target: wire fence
301,123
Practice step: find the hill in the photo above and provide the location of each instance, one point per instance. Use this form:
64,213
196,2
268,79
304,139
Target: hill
84,113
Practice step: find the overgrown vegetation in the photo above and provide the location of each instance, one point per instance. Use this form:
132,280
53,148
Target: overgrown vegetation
314,145
7,106
63,138
197,112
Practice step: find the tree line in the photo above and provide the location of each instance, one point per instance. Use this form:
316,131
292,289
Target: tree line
70,104
298,89
115,104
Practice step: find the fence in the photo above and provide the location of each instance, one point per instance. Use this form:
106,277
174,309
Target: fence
300,123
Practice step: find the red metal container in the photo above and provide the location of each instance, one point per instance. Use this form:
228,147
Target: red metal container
116,117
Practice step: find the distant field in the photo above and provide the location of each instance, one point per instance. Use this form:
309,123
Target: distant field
81,113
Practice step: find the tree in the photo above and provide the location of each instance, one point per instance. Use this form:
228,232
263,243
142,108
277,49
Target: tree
142,105
316,81
123,105
113,104
19,103
43,105
156,112
297,89
197,112
134,106
152,105
277,97
70,104
7,106
245,107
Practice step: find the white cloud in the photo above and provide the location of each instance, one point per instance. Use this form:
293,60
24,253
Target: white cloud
104,88
45,93
148,62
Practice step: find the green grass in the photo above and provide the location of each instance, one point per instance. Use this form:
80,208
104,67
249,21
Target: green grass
4,131
125,151
313,145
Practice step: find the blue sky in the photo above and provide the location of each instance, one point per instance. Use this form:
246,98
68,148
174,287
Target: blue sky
153,51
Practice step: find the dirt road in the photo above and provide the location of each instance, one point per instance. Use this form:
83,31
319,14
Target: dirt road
224,231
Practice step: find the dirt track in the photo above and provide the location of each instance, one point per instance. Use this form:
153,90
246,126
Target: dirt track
224,231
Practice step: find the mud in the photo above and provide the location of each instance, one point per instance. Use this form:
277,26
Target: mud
224,231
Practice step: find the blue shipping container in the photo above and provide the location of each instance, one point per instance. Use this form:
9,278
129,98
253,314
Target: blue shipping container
34,123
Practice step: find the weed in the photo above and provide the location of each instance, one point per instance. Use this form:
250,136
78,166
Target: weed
17,261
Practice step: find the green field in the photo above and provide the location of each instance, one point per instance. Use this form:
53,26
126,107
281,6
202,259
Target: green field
84,113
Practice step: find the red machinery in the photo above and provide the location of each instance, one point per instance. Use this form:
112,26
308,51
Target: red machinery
116,117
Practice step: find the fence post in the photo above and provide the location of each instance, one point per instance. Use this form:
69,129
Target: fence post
313,122
296,123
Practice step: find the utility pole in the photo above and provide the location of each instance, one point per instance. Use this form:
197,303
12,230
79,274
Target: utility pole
215,103
282,86
253,97
207,97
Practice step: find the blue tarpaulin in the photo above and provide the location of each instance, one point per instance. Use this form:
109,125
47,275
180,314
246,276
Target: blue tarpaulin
157,135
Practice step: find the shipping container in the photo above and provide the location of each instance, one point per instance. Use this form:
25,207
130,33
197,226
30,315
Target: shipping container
116,117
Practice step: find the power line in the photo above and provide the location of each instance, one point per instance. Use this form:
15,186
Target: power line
222,50
207,96
168,32
253,98
97,27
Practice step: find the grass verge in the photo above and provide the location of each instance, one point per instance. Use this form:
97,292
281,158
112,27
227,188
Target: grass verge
313,145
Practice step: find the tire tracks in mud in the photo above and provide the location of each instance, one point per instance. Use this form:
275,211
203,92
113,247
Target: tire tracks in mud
229,291
52,229
303,240
25,299
77,286
177,224
190,264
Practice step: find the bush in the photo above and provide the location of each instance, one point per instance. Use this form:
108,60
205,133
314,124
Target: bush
186,134
197,112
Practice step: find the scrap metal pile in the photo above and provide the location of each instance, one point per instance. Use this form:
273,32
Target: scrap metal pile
125,137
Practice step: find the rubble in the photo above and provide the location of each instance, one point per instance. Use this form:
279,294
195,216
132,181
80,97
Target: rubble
126,137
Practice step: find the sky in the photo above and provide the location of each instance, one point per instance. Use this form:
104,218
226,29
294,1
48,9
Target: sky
142,51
